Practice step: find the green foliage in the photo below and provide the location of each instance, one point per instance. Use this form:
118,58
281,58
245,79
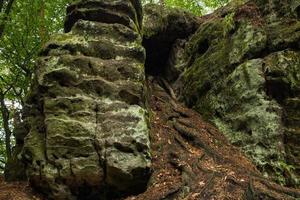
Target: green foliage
229,23
189,5
215,3
195,6
281,169
27,27
30,25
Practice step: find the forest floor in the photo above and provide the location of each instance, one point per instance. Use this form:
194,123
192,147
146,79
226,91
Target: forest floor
16,191
191,160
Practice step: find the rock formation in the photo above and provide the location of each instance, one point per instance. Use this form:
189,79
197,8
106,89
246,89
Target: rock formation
242,73
86,118
96,101
192,160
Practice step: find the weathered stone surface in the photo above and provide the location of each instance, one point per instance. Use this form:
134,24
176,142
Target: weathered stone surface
86,124
242,73
86,117
127,13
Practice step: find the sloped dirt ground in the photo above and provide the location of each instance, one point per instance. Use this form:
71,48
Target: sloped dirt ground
16,191
191,160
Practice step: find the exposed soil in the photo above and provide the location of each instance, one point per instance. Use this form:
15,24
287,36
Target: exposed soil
191,160
16,191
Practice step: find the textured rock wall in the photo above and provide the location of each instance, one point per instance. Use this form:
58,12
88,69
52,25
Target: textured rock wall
242,73
86,122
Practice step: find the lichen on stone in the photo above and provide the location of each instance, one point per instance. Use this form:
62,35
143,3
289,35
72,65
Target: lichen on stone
245,80
91,129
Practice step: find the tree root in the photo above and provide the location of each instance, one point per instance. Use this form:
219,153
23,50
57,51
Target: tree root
198,159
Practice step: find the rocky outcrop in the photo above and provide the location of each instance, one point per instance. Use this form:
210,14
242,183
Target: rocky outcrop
85,133
87,126
192,159
242,73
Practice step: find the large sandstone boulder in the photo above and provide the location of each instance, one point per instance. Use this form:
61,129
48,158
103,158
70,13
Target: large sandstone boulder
242,73
87,126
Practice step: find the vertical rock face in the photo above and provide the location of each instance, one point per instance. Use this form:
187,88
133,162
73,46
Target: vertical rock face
242,73
86,121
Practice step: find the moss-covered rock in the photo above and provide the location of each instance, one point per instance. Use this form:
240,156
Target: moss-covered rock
86,117
127,13
240,74
86,131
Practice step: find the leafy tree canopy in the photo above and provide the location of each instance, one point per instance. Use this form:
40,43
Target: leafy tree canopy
25,25
197,7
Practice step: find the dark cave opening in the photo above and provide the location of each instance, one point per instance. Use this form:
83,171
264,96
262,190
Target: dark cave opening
165,36
164,50
157,55
298,11
203,47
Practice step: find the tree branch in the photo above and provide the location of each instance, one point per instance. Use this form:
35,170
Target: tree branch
8,89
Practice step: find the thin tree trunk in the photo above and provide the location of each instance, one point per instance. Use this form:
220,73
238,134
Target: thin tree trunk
1,5
6,13
162,6
5,119
42,27
162,3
